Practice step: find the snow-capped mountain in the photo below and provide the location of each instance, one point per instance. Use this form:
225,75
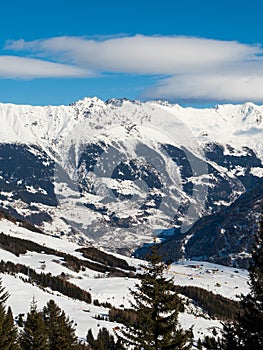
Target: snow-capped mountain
116,172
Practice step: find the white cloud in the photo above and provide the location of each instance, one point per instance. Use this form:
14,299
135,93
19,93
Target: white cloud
29,68
187,67
141,54
208,87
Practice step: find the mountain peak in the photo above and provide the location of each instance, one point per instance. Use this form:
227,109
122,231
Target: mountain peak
118,102
88,101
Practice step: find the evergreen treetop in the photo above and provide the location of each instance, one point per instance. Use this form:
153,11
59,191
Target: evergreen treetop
34,335
157,306
61,333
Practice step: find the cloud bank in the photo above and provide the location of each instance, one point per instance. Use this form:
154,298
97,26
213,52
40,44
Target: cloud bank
186,68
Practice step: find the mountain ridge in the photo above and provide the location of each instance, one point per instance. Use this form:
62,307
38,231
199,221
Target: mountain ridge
114,172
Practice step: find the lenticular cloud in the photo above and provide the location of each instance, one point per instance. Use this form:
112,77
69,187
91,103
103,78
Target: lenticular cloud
186,67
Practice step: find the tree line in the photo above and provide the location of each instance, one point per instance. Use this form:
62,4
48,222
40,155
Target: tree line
56,283
102,262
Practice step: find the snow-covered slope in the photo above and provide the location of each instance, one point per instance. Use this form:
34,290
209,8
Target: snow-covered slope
112,172
221,280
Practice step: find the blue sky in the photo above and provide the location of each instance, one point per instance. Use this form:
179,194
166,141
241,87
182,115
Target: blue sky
194,52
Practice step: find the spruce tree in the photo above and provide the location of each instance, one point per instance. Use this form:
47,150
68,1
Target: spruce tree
246,333
8,331
90,338
157,307
3,297
61,333
199,344
34,334
104,341
230,338
211,343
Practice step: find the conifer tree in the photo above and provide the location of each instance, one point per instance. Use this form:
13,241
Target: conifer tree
211,343
34,334
157,307
199,344
246,333
3,297
11,331
90,338
229,339
104,341
61,333
8,331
